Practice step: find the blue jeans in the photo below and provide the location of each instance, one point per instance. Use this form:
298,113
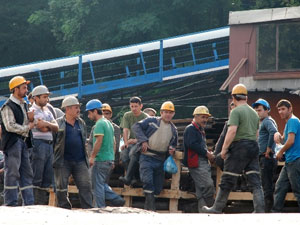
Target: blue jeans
102,192
288,177
203,182
80,173
42,159
152,174
17,175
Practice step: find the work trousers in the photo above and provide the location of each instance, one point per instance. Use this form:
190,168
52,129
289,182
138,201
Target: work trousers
80,173
267,171
289,178
17,174
203,182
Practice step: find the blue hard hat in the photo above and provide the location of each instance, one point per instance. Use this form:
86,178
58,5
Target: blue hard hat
93,104
262,102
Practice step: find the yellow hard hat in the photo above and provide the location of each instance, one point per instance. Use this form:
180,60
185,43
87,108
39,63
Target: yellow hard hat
239,89
168,106
201,110
16,81
107,107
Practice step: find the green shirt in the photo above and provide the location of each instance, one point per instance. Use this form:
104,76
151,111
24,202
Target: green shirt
104,127
129,119
246,120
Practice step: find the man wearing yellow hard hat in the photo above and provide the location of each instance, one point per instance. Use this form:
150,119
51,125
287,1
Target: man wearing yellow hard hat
16,124
156,136
196,156
240,151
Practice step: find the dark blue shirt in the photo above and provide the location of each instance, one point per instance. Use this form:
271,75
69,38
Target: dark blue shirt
74,149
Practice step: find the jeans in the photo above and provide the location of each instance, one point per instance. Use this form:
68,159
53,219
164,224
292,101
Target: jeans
288,177
267,170
152,174
42,159
17,175
80,173
101,190
203,182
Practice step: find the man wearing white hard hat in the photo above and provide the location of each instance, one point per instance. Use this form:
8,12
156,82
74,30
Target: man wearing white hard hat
42,154
70,156
196,156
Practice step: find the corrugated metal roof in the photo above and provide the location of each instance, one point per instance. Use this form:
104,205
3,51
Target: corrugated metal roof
263,15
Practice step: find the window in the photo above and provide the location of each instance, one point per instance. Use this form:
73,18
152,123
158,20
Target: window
278,47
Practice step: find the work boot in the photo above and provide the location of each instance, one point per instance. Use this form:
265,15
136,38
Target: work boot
124,180
258,201
268,203
40,197
118,202
219,204
201,203
149,202
209,201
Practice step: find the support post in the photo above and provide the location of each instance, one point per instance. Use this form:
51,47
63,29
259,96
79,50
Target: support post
80,77
161,59
215,51
62,75
92,72
193,54
143,62
40,76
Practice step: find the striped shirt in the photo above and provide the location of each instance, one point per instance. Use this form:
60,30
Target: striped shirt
9,120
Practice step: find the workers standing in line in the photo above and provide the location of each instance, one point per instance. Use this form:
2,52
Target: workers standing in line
267,162
156,136
290,173
102,156
107,113
42,154
196,156
129,154
240,151
16,123
70,156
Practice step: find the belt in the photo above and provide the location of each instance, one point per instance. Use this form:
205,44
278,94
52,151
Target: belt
22,138
43,140
156,152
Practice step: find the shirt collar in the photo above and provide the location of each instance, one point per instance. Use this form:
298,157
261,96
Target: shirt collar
17,101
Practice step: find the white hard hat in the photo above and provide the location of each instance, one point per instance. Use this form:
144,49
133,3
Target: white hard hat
40,90
68,101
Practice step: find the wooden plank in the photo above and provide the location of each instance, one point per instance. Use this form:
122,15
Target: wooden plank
52,197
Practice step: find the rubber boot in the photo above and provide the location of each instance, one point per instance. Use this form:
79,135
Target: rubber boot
201,203
209,201
150,202
132,166
268,203
219,204
118,202
258,201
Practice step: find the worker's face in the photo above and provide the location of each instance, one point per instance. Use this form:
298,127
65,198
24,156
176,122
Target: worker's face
21,90
92,115
284,112
201,120
73,111
262,113
136,108
42,100
107,114
167,115
150,113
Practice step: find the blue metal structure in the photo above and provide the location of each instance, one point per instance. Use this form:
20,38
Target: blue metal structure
126,67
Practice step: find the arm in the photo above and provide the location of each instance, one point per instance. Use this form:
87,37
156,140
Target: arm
289,143
96,148
228,140
220,142
271,128
125,136
51,126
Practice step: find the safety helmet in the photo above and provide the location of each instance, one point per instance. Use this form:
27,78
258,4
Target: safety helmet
201,110
262,102
40,90
107,107
168,106
239,89
69,101
16,81
93,104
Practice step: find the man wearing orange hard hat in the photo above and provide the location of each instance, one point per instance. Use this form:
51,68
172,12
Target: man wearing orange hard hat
16,124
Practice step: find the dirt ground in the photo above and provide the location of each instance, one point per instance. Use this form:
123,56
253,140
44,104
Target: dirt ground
45,215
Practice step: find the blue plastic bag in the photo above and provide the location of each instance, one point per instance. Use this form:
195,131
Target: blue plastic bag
170,165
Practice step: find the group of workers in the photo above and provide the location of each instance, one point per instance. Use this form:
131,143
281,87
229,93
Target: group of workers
43,149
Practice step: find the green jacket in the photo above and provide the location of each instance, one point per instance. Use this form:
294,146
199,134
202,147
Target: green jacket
59,147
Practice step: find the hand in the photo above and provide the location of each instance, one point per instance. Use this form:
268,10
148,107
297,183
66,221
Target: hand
123,147
31,125
210,156
277,138
267,153
1,170
145,146
171,150
30,116
91,161
223,153
132,141
279,155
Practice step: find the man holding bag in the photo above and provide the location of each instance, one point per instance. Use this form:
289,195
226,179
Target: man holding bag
196,157
156,137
